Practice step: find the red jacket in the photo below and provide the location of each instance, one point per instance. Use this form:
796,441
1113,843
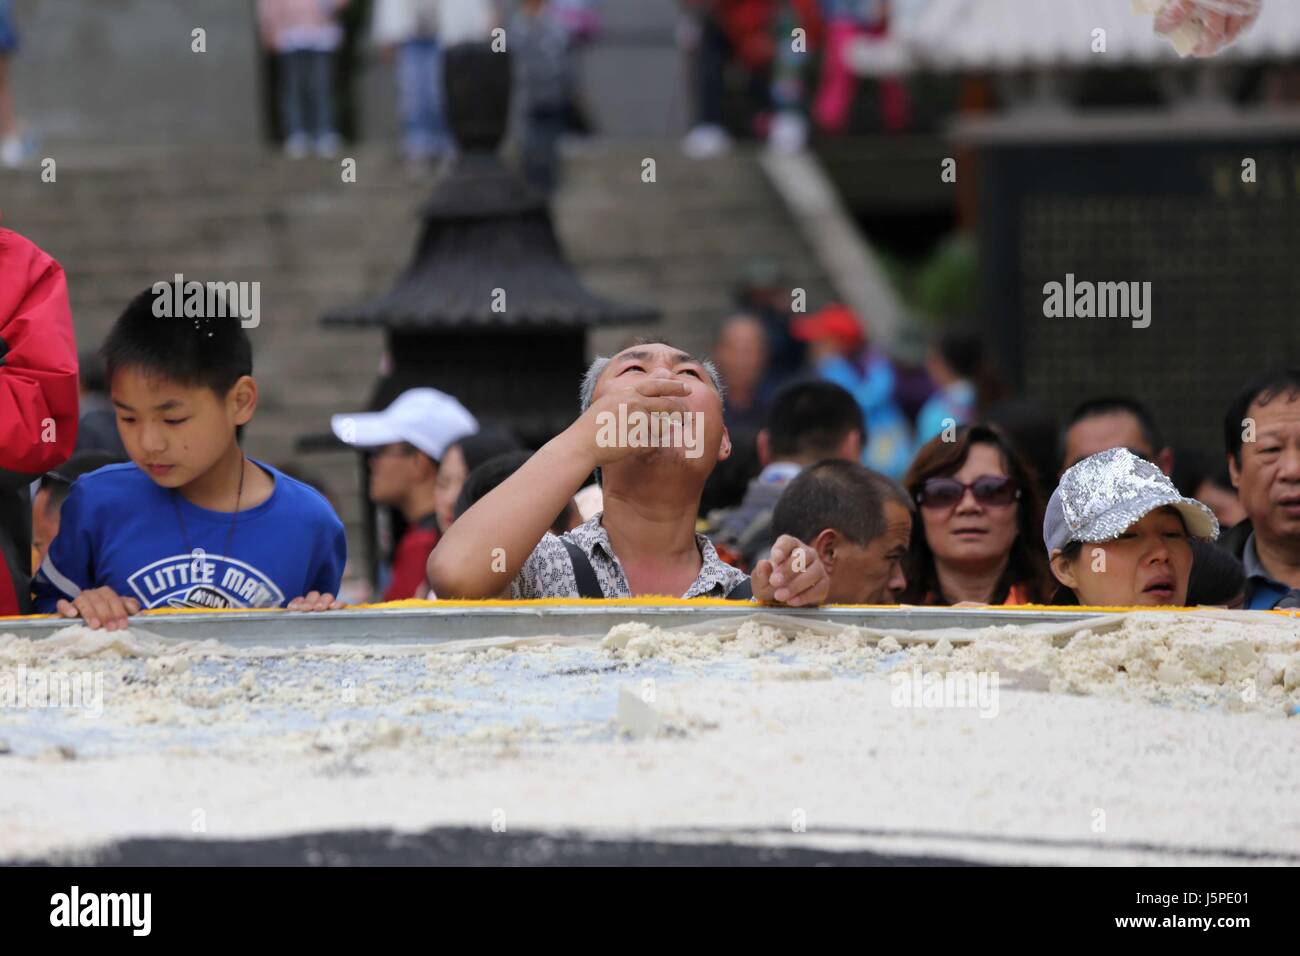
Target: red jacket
410,560
748,25
38,398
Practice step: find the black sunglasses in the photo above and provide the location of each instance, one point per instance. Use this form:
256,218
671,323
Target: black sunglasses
987,489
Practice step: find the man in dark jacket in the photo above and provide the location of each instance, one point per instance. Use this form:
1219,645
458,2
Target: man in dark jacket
38,399
1262,434
808,422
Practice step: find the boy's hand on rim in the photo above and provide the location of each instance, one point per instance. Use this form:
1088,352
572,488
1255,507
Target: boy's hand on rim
793,575
316,601
100,607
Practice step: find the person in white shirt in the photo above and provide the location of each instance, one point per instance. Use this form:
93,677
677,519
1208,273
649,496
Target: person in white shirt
304,35
413,34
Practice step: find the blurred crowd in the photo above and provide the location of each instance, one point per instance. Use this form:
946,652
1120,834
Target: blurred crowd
542,37
977,467
793,55
772,70
802,464
838,444
306,42
15,145
833,467
796,58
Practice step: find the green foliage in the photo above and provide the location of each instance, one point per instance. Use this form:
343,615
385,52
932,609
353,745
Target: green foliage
946,284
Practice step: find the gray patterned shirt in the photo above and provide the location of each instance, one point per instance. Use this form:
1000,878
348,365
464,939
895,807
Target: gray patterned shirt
548,572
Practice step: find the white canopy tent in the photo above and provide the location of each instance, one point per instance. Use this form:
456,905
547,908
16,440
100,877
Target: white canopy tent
1009,35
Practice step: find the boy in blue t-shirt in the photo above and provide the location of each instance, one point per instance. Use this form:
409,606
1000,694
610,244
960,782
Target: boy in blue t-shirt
190,522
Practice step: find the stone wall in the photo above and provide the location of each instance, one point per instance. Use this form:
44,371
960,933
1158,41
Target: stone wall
123,72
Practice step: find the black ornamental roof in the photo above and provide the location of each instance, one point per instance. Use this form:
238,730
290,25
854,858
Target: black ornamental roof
488,255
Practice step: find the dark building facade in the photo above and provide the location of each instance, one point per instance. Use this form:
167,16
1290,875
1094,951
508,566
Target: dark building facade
1149,200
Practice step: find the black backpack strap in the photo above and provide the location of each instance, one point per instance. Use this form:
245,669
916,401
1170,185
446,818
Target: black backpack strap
744,591
756,538
589,587
583,572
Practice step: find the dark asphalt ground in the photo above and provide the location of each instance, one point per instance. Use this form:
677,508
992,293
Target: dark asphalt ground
472,847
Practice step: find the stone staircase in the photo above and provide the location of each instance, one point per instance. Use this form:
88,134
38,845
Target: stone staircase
120,220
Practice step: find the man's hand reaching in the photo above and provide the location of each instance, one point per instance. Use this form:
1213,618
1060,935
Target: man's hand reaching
793,576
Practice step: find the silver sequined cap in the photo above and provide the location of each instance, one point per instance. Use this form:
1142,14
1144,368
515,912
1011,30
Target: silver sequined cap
1100,497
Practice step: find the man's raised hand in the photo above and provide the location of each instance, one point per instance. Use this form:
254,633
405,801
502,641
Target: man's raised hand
648,395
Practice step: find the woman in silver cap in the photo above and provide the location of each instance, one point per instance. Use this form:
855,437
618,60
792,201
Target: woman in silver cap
1117,532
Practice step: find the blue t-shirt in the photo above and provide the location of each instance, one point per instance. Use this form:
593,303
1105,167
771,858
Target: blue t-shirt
119,529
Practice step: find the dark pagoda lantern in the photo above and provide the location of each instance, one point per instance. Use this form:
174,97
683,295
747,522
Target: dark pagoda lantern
489,309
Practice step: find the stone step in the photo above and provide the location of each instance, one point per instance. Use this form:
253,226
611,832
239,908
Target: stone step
188,177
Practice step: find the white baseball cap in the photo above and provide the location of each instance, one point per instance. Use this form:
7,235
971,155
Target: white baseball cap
424,417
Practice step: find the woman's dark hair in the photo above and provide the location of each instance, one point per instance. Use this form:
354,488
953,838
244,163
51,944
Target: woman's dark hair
1033,431
727,483
1027,566
485,444
486,476
965,354
1193,467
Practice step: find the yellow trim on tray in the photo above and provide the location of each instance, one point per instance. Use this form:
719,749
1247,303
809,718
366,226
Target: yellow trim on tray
650,601
663,601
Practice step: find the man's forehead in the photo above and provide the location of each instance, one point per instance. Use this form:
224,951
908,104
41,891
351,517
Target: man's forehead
896,511
1117,421
1282,409
646,352
897,517
1109,430
1162,515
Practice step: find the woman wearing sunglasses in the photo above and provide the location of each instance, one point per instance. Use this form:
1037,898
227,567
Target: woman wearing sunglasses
1117,532
979,537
